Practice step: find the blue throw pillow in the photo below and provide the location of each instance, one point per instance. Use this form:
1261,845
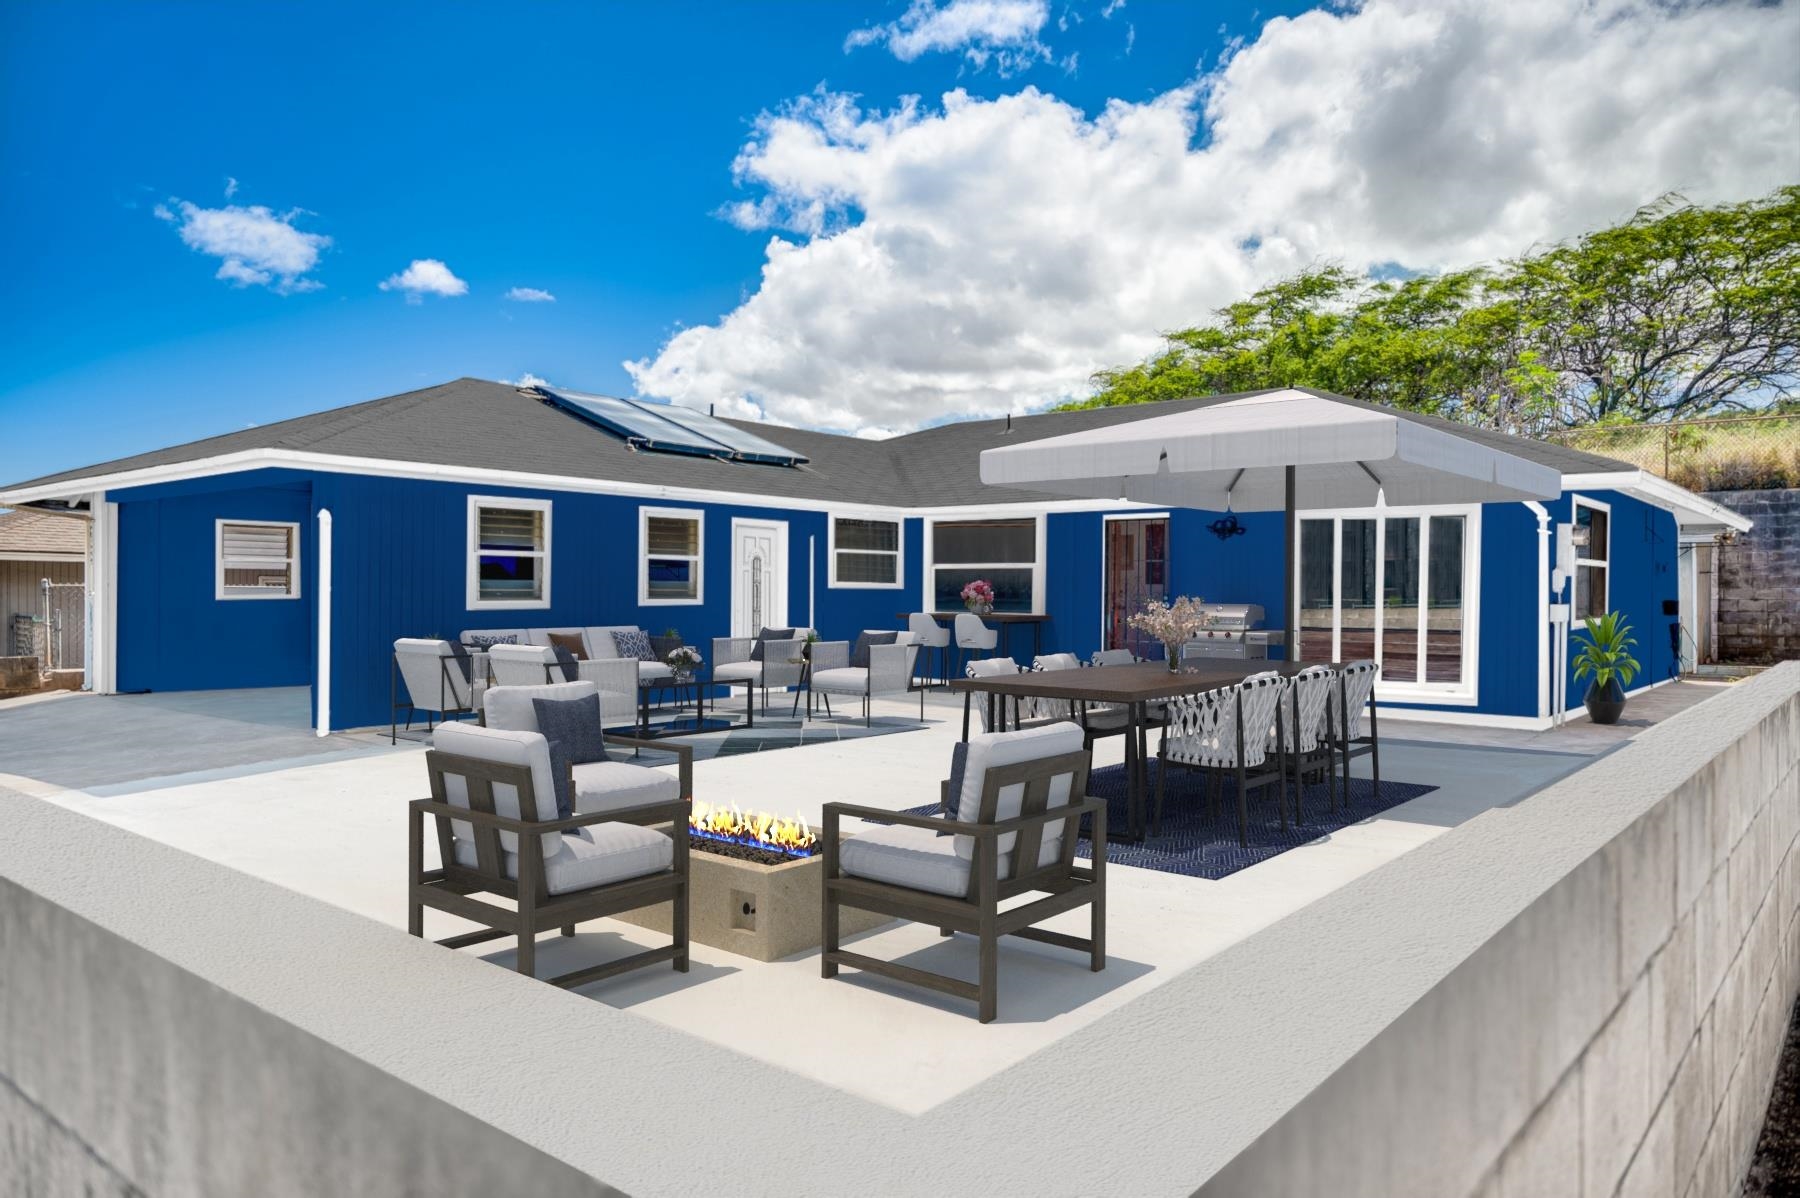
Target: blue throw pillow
633,642
464,665
478,641
859,655
959,768
571,665
765,636
572,726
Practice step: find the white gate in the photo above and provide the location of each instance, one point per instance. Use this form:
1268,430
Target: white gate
65,625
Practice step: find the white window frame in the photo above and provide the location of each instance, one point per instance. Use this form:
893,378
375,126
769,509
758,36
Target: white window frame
698,516
929,552
1603,564
473,545
292,561
898,553
1465,693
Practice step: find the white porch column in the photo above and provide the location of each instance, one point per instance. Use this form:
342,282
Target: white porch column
1543,607
323,674
102,577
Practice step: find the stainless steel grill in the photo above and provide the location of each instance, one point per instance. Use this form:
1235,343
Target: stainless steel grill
1235,631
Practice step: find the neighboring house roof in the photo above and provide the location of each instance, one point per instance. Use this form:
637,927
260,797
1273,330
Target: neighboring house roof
474,424
35,535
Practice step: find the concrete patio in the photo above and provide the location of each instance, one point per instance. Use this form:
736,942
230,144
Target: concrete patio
236,778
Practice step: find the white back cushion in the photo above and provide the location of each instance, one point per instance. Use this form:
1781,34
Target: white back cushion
510,707
991,749
508,748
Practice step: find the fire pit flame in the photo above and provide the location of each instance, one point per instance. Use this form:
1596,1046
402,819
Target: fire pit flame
789,837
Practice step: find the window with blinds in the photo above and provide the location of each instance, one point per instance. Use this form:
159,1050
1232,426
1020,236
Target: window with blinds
865,553
258,559
509,552
669,555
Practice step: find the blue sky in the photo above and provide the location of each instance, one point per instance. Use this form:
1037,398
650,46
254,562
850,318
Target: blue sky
581,150
587,151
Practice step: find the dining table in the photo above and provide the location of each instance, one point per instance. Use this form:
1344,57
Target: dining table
1134,688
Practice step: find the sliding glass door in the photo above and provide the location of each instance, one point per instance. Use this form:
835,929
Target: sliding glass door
1396,586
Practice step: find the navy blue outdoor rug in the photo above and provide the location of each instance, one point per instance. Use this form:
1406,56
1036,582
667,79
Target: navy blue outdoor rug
1198,843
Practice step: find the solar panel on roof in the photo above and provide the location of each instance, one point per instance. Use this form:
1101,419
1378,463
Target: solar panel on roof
745,445
669,429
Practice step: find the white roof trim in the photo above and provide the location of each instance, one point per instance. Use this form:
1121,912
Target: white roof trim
260,459
1692,512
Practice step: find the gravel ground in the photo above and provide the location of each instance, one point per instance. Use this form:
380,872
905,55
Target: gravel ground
1775,1169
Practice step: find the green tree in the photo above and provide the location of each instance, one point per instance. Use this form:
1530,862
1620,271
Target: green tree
1681,311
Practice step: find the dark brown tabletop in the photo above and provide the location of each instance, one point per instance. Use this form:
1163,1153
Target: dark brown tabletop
1126,684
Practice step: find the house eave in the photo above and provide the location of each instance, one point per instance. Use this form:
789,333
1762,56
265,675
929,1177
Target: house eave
1694,514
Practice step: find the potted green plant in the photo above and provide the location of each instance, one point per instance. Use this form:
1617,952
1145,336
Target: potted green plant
1606,658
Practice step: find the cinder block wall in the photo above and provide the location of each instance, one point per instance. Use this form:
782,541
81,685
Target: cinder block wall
1620,1035
1759,579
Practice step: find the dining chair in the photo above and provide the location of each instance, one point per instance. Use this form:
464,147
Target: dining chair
1223,731
1355,691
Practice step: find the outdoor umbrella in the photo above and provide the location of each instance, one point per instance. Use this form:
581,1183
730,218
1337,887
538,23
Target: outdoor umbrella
1276,451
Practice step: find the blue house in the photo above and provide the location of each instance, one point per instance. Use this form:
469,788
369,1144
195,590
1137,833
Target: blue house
295,554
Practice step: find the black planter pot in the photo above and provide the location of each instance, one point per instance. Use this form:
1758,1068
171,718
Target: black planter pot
1605,706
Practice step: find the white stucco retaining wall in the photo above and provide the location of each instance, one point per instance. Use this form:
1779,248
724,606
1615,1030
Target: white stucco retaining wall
1619,1034
1504,1010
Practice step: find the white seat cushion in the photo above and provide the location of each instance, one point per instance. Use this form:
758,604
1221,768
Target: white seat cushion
1011,748
846,680
596,856
738,671
616,785
653,671
917,858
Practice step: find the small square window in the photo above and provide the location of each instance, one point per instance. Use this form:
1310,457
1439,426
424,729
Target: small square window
257,559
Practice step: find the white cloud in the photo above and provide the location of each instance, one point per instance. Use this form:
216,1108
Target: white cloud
231,187
988,255
527,379
1004,32
1112,6
256,246
530,295
426,276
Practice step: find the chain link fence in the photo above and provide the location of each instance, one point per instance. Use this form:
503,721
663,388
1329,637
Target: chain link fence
1733,453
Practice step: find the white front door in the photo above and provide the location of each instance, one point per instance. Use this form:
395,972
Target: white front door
758,576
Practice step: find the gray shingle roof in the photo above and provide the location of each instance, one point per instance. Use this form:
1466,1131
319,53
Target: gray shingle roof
496,426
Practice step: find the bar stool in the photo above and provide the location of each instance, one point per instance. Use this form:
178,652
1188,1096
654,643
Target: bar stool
928,634
972,636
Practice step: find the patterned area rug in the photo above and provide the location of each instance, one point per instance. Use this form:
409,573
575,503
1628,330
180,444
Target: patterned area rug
1199,842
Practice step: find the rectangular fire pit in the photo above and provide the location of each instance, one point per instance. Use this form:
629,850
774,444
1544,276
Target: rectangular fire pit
765,912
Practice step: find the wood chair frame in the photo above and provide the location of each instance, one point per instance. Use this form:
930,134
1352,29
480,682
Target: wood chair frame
1068,885
448,887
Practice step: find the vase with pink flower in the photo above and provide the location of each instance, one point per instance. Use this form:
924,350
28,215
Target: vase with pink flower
978,597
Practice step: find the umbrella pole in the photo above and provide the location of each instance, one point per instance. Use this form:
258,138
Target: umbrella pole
1290,649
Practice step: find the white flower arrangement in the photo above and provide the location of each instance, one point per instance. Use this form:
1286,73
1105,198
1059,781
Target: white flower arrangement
1174,624
683,659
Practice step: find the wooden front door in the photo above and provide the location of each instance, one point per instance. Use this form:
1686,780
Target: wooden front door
1137,570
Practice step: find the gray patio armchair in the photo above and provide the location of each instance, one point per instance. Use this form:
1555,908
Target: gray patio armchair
599,786
888,672
781,664
435,682
494,806
1014,832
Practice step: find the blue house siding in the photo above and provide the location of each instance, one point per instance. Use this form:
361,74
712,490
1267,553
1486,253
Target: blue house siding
173,632
400,569
1642,553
